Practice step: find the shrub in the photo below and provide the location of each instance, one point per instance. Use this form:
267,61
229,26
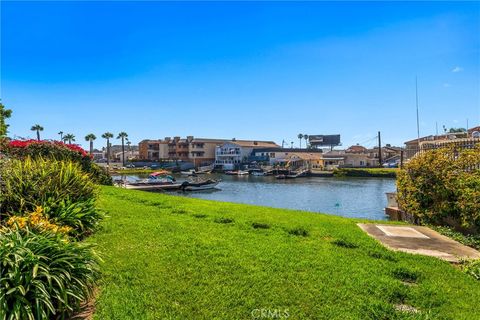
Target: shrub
43,275
66,193
442,186
58,151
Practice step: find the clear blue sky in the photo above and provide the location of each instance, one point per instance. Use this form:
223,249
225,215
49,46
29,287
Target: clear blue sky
246,70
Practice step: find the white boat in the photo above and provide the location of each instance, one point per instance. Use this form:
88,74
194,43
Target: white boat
197,186
190,172
257,172
154,182
243,173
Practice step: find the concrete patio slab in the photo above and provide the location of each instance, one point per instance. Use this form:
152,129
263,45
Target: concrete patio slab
419,240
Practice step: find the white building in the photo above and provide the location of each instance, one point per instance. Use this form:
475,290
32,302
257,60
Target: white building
233,153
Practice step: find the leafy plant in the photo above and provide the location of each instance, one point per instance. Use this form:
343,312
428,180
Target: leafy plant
65,192
472,267
442,186
43,275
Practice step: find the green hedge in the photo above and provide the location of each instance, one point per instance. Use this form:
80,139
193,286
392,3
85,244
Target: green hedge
366,172
442,187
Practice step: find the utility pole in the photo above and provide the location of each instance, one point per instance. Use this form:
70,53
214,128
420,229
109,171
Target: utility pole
436,128
283,143
379,149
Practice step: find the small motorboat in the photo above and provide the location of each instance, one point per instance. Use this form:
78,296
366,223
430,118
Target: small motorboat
231,173
257,172
154,182
201,185
190,172
243,173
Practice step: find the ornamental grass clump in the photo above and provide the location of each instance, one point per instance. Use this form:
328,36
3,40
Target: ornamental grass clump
66,193
43,275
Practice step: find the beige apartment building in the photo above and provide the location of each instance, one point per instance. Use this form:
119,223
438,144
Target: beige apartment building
199,151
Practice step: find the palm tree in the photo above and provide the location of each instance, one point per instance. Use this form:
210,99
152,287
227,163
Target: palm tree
69,137
108,136
37,128
123,135
305,136
61,135
90,137
300,137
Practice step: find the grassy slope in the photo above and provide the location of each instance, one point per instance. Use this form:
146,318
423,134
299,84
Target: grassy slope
166,257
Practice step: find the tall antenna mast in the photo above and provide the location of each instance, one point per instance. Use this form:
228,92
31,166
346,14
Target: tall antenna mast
418,122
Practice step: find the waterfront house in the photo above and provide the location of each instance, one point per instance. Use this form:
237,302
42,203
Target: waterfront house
333,159
312,161
233,153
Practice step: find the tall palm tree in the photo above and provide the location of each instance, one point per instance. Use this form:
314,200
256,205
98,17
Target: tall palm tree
90,137
305,136
123,135
300,137
108,136
69,137
61,135
37,128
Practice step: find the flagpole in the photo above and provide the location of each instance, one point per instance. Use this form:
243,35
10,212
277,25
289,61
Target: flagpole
418,122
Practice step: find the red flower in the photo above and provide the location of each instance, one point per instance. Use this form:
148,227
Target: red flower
26,143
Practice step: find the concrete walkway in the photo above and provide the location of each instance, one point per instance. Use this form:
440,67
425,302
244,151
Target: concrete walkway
419,240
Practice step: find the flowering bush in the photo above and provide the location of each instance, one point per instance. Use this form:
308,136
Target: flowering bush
60,151
442,187
36,220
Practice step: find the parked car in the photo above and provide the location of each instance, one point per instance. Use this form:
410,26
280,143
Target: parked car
130,165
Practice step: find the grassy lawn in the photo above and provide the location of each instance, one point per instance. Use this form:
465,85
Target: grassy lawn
366,172
170,257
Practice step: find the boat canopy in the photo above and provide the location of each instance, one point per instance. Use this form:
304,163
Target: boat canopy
158,173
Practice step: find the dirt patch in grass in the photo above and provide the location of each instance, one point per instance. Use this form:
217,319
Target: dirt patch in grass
302,232
382,256
179,211
406,275
259,225
224,220
345,243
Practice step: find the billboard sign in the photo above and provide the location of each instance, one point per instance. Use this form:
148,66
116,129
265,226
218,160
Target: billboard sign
324,140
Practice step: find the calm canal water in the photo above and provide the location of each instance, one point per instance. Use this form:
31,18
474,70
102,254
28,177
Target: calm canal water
348,197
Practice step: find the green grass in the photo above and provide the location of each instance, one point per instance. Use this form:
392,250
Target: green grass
168,257
366,172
